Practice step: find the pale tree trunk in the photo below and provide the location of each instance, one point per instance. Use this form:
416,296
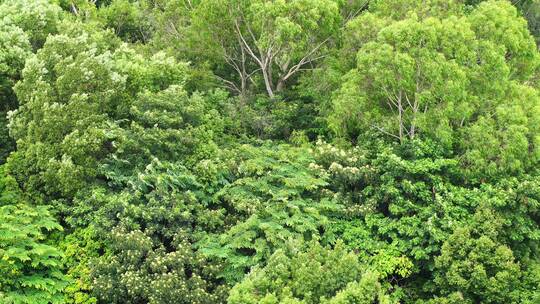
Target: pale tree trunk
400,117
280,86
268,83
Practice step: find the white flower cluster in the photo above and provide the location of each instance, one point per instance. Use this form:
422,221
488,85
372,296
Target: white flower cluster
337,162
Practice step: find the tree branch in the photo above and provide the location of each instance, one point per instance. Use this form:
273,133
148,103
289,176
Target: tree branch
385,132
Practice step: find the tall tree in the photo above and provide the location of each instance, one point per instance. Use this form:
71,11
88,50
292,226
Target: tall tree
75,97
449,78
24,26
275,39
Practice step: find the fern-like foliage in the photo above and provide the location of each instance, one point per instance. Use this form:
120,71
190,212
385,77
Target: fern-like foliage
30,268
282,201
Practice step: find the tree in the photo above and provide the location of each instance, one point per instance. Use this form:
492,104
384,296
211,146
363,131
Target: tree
500,23
530,9
314,275
23,29
276,39
429,78
14,49
61,136
475,267
64,138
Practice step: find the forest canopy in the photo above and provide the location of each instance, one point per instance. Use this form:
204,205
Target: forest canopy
269,151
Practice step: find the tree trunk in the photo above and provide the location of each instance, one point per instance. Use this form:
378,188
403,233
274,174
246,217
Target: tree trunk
400,117
268,83
280,86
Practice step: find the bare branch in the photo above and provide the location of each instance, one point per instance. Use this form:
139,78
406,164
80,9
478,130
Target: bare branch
229,84
305,60
355,13
255,71
74,9
246,45
385,132
391,96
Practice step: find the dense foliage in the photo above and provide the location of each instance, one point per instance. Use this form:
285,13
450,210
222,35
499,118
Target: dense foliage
265,151
31,265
